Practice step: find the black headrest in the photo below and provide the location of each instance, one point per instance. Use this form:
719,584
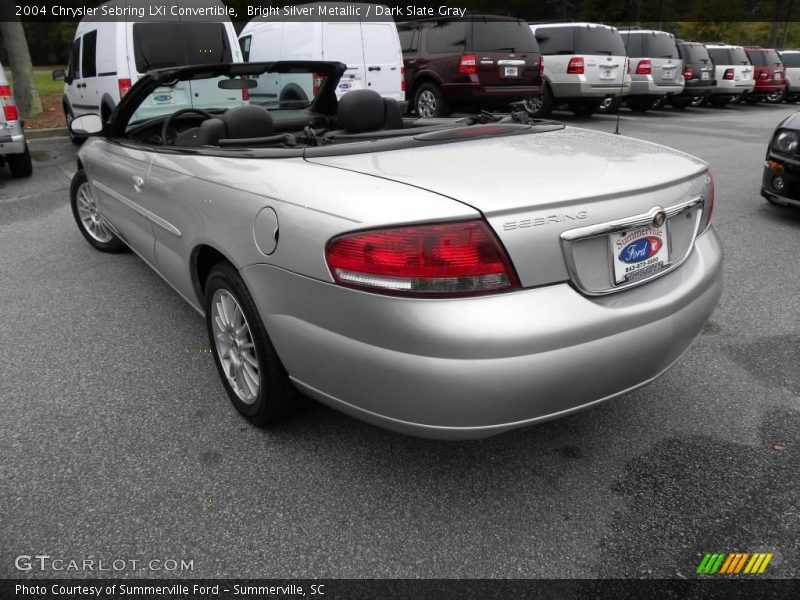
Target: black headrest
211,132
248,121
361,110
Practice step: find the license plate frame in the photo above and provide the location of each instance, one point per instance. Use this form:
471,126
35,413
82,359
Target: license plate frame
705,76
652,243
668,74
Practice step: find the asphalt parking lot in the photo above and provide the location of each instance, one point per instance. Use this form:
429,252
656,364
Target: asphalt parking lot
117,439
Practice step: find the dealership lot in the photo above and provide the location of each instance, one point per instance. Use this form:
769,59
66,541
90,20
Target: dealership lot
119,443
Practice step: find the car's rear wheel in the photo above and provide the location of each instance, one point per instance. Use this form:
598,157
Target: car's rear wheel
584,108
251,372
775,97
91,223
698,101
639,105
429,101
20,164
542,105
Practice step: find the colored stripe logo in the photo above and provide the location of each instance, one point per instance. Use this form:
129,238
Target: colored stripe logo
734,563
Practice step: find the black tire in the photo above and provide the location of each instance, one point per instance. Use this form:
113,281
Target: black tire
776,98
584,108
541,106
113,244
791,99
428,99
698,101
660,102
20,164
680,103
752,99
68,117
720,101
277,398
737,99
609,105
639,105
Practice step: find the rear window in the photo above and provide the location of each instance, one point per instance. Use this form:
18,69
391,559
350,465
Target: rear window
599,40
694,53
764,58
661,45
791,60
408,38
161,45
729,56
447,36
555,40
507,36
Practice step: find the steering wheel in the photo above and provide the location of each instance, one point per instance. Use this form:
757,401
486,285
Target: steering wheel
178,113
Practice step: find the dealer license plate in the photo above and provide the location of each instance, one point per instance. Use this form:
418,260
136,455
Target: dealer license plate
668,74
639,253
511,71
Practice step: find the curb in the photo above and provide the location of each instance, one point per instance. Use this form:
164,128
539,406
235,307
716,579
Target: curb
38,134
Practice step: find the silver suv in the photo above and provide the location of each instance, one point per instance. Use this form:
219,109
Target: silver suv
655,66
13,148
583,64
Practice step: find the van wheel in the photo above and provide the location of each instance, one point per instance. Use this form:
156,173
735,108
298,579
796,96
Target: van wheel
90,222
639,105
69,117
251,371
584,108
542,105
429,102
20,164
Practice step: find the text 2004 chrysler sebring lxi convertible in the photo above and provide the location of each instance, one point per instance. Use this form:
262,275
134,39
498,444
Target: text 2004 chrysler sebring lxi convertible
444,278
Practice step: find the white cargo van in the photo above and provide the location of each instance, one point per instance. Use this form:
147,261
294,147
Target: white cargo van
108,57
371,51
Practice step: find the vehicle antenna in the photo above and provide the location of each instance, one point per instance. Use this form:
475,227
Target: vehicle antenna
624,73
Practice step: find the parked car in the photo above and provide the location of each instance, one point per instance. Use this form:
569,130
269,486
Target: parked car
767,72
698,75
791,65
780,182
370,49
480,61
340,250
733,73
583,64
108,57
655,66
13,147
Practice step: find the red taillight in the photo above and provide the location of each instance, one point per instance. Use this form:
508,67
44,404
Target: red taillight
124,86
688,72
763,74
317,82
11,113
402,79
468,65
5,92
575,66
728,74
645,67
459,258
541,65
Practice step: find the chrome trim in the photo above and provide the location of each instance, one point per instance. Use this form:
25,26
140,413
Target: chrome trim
152,217
602,229
506,61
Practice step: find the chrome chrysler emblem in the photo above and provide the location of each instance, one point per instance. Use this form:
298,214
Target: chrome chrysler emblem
659,219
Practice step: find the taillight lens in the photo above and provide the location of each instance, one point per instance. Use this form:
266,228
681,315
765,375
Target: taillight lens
708,207
5,92
10,112
124,86
452,259
575,66
763,75
688,72
468,65
317,82
541,65
402,79
645,67
728,74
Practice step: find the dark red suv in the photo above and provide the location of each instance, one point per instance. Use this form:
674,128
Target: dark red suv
768,72
479,61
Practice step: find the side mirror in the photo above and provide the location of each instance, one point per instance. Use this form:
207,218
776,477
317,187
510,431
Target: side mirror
86,125
59,75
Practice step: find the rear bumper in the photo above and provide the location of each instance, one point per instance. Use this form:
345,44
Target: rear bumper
472,368
475,92
583,89
698,88
11,142
726,87
643,85
766,88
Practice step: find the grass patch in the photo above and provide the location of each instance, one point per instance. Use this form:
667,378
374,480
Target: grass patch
44,83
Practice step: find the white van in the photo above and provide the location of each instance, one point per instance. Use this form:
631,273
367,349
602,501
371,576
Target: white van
108,57
371,51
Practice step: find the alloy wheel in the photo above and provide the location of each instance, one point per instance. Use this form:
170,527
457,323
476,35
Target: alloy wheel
235,347
91,219
533,105
426,104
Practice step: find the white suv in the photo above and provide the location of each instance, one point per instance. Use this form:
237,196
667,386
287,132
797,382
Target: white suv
733,72
583,64
791,61
13,148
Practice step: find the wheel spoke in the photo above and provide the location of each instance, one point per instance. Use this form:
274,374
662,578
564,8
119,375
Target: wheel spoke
250,359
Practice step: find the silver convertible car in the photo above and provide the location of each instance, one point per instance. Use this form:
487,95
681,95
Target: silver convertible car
449,278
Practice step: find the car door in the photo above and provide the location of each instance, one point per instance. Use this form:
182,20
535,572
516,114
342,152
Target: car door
383,58
342,42
118,175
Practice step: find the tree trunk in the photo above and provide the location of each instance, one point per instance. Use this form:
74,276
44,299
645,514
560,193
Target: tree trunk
19,58
773,34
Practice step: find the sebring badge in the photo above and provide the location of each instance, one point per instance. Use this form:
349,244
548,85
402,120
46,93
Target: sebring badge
545,220
659,219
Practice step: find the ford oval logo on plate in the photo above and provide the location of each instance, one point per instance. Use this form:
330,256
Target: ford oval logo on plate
640,250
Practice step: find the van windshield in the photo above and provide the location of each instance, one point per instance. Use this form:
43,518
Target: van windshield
503,36
175,44
599,40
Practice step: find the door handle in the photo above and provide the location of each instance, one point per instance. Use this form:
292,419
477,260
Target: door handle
138,183
374,69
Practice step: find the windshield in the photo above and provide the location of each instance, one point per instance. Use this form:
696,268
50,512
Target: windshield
764,58
728,56
599,40
503,36
175,44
